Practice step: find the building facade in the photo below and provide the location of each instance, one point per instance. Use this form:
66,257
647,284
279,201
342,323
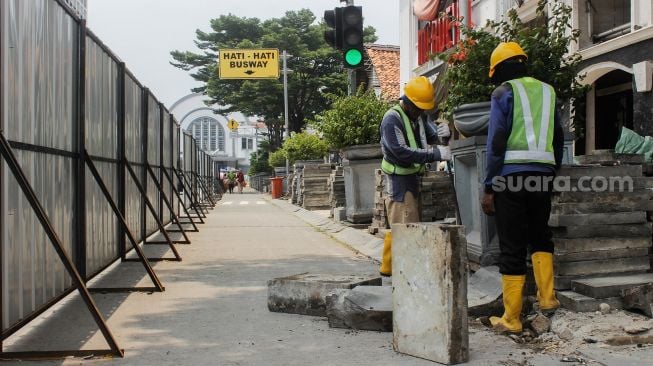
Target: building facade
229,149
616,44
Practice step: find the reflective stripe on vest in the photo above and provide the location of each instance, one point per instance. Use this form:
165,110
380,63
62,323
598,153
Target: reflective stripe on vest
390,168
531,137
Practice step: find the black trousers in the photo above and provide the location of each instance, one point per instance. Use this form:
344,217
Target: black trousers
522,218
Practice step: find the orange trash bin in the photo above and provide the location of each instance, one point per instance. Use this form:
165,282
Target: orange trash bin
277,187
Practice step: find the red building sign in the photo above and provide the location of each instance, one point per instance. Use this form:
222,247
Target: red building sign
440,34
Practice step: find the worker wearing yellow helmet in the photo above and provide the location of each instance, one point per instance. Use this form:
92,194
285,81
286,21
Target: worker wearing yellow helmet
524,151
406,140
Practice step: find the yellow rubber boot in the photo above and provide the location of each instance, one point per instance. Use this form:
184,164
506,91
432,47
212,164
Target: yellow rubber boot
512,303
386,258
543,272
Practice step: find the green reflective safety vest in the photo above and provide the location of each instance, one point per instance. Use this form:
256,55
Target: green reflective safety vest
390,168
531,138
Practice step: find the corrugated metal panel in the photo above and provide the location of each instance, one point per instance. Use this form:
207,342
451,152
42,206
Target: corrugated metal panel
40,44
165,162
153,157
134,153
101,140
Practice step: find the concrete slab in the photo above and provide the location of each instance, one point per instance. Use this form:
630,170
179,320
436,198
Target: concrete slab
578,245
616,218
639,298
362,308
484,291
306,293
611,286
583,304
602,267
429,266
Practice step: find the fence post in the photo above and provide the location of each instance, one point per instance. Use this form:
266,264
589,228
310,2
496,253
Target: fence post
143,176
80,167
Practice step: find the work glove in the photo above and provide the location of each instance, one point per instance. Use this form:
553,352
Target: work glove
445,152
443,130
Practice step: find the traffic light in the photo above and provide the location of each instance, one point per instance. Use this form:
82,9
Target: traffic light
345,32
333,34
352,36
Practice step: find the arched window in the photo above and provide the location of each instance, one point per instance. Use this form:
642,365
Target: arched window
208,133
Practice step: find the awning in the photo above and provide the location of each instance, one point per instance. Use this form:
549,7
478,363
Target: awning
426,10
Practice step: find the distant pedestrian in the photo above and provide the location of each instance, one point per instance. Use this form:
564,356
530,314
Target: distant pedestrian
231,181
240,180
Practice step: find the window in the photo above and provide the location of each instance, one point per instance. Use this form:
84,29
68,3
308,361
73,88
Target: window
208,133
246,143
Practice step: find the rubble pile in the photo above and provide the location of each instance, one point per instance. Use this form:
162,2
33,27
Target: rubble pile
336,187
313,188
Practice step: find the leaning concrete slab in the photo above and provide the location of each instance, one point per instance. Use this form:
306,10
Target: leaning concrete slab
484,292
306,293
429,266
639,298
362,308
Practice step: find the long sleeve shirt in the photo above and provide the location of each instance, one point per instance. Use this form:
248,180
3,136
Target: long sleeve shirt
499,129
397,151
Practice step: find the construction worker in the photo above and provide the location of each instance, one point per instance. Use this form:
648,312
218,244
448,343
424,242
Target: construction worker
524,150
405,140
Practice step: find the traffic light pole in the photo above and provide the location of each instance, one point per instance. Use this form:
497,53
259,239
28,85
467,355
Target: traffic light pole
351,73
285,108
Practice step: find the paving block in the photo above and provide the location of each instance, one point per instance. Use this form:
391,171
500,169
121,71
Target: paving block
306,293
602,267
362,308
639,298
583,304
600,231
616,218
429,266
611,286
579,245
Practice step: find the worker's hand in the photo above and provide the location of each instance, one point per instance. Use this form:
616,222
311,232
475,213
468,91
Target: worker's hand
445,152
487,203
443,130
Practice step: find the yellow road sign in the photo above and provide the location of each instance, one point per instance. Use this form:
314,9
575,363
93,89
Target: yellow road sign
232,124
249,64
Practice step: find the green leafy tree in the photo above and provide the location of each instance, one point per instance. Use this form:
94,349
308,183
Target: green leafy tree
305,146
316,68
352,120
546,42
259,162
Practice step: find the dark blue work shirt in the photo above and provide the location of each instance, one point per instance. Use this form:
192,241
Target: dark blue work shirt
397,151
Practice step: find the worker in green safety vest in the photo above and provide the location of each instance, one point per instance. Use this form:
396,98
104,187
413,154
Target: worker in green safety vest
406,140
524,150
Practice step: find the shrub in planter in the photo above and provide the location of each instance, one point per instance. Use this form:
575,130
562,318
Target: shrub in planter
352,120
546,42
277,158
305,146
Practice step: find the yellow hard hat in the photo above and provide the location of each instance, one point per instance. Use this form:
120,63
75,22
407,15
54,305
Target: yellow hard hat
420,91
504,51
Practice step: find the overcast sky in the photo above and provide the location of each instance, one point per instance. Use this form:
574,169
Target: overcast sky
143,32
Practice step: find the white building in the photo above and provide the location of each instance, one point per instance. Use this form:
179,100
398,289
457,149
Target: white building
229,149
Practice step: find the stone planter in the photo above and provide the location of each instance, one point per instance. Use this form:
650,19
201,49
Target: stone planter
472,119
359,165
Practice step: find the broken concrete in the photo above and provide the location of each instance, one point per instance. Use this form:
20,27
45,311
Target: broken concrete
484,292
306,293
583,304
639,298
429,269
362,308
602,287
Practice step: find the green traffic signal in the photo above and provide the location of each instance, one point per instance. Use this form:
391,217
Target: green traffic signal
353,57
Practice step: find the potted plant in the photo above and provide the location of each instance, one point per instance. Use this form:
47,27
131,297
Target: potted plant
352,126
549,60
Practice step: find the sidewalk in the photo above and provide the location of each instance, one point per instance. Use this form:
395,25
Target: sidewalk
214,309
